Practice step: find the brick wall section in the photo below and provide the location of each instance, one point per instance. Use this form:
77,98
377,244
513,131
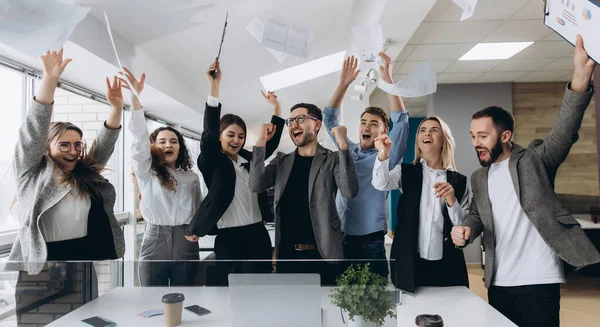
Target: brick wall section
536,107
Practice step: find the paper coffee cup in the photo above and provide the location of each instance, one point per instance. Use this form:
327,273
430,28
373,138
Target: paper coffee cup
173,308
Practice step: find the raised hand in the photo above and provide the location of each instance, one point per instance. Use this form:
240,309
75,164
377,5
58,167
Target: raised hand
114,95
584,68
53,64
267,130
383,144
460,235
446,191
340,133
138,85
272,99
349,71
386,68
214,83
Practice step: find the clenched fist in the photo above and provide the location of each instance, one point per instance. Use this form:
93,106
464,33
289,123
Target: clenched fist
460,235
340,133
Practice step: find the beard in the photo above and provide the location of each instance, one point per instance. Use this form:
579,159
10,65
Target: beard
495,153
307,137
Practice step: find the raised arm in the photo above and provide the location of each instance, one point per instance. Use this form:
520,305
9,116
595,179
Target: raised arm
564,134
261,178
31,146
348,74
276,121
104,144
383,179
399,115
209,141
345,174
472,226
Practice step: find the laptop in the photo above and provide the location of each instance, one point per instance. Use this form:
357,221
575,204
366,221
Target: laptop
276,300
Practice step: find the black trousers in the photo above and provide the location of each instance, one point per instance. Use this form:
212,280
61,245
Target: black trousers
528,306
363,247
438,273
292,261
244,249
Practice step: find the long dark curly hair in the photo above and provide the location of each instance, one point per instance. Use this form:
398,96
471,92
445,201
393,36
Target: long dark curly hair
159,166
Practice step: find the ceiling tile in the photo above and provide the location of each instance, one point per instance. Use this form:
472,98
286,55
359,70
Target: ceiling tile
443,8
406,52
472,66
460,32
546,49
514,31
408,66
518,65
439,51
559,64
420,33
545,76
498,77
458,78
531,10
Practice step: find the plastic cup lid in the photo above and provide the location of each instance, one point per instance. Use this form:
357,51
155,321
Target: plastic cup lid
173,298
429,321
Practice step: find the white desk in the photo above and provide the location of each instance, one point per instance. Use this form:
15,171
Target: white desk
122,305
458,306
585,222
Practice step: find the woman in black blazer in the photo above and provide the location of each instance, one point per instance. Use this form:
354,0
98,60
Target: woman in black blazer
434,199
230,209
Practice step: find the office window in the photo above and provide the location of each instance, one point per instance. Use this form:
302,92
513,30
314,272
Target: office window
13,99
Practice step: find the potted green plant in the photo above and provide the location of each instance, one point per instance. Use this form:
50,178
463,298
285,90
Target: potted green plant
364,296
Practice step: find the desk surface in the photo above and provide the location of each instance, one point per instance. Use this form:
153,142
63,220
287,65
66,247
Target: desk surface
585,222
458,306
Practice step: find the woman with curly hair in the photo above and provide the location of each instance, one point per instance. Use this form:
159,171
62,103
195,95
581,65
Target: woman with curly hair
170,196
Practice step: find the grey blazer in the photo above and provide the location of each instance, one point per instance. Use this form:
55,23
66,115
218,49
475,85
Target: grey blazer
38,191
329,171
533,171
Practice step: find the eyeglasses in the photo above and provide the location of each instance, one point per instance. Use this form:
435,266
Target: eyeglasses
66,146
298,119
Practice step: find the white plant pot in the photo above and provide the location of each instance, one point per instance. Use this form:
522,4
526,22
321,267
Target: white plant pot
359,322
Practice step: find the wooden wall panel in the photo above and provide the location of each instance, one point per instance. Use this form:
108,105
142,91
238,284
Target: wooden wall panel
536,107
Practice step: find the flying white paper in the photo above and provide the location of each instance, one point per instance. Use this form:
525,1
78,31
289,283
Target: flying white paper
468,7
256,28
368,40
131,89
282,36
419,82
35,26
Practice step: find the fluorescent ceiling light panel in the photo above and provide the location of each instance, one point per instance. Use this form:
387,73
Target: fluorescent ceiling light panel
492,51
304,72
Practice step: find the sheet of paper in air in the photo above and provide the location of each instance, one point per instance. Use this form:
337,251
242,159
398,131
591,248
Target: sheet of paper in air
368,40
256,28
419,82
468,7
35,26
112,41
290,38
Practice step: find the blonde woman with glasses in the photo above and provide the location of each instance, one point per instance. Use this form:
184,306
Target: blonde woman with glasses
434,199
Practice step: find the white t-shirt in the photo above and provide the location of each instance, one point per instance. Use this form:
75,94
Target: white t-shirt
68,219
522,257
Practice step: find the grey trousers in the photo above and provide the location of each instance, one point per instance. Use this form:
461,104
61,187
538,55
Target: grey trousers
167,258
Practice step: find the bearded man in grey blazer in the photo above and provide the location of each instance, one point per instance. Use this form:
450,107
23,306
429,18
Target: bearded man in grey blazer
307,226
527,232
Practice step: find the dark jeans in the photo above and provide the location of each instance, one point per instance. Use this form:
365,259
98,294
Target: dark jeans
244,249
370,246
289,261
528,306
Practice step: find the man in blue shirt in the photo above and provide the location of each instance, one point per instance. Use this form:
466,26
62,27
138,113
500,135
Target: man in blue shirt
364,217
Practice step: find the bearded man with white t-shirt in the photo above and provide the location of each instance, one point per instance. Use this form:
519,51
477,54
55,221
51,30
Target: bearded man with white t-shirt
527,232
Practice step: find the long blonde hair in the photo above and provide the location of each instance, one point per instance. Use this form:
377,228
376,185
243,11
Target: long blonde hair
447,148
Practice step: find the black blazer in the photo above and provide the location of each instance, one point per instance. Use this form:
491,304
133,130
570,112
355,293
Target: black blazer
406,234
219,175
